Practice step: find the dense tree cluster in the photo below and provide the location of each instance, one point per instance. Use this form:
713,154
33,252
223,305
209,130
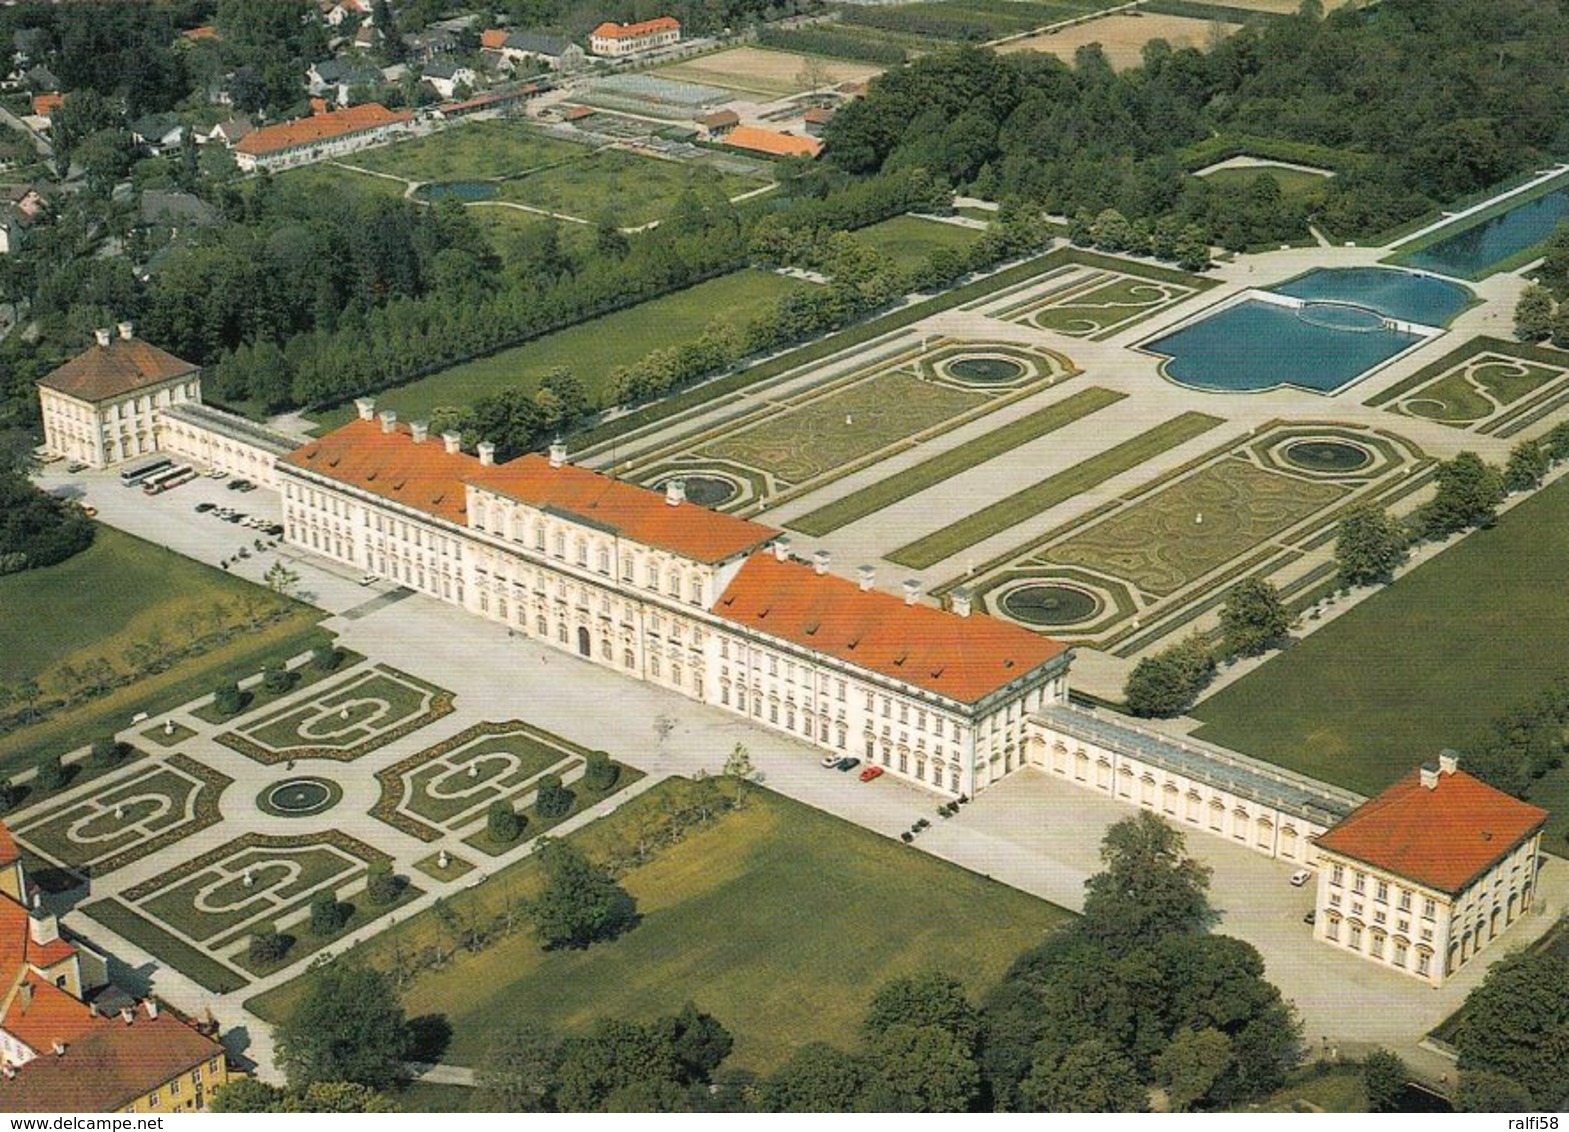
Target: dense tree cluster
247,1094
351,1027
1168,682
1513,1037
1520,746
1469,491
1366,86
36,529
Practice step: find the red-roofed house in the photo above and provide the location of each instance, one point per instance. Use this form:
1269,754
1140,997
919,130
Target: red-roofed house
615,40
660,589
1429,873
773,143
319,137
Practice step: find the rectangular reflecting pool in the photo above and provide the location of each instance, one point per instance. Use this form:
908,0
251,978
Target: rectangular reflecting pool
1478,248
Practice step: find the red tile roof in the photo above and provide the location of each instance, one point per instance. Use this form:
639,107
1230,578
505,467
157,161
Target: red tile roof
772,142
108,1066
424,476
17,949
8,849
319,128
817,115
47,103
612,30
39,1014
1444,838
963,658
123,366
493,38
633,512
206,31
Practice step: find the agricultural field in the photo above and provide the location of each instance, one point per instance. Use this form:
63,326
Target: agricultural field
1122,37
630,189
967,21
815,915
120,593
469,151
909,240
1422,665
592,349
767,74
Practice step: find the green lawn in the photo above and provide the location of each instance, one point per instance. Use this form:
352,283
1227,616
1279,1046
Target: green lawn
592,349
1338,1090
323,180
189,961
118,592
630,189
344,715
470,151
279,874
1424,664
466,770
1047,493
909,240
929,473
1294,183
778,919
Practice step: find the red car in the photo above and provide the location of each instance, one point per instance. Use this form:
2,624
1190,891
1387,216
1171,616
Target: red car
871,772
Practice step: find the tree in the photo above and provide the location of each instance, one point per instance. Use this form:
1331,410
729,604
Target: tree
228,698
268,945
551,798
502,822
1528,462
1369,546
1557,441
581,903
1468,493
739,770
1481,1091
349,1027
599,772
1384,1076
1534,313
1149,888
816,1078
1167,683
1253,618
276,678
326,657
328,914
338,1096
920,1069
107,751
519,1069
51,774
1191,1064
1092,1076
930,998
246,1094
382,885
1516,1025
280,579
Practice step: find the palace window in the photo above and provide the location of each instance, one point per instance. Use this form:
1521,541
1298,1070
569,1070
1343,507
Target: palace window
1424,962
1405,900
1400,953
1354,935
1359,882
1381,892
1429,908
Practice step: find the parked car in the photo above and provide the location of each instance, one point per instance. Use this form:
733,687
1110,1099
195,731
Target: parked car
244,485
1299,878
236,485
871,773
204,506
234,516
830,761
368,579
849,762
75,466
276,530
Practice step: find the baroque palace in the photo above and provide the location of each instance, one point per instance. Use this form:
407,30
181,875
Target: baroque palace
723,611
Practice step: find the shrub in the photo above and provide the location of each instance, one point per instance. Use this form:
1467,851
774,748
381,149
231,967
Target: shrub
326,657
228,699
907,837
51,774
600,774
327,914
503,822
277,679
9,794
269,945
553,800
382,886
107,751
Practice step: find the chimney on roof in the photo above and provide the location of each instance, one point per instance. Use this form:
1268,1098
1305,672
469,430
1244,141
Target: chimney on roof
43,926
59,1048
867,576
389,420
487,452
1429,778
126,330
1448,761
127,1015
959,601
152,1008
419,430
102,335
366,407
453,442
912,590
782,548
558,453
24,994
820,560
675,492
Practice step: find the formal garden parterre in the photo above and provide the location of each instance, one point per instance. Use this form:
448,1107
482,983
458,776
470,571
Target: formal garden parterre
1486,385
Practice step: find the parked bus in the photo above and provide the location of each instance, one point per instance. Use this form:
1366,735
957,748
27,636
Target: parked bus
133,476
169,477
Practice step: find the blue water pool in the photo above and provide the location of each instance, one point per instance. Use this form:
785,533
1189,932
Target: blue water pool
1404,295
1257,345
1474,251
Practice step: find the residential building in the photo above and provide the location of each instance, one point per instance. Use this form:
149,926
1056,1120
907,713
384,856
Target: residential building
447,77
102,406
816,118
177,211
527,49
772,143
430,44
614,40
319,137
228,132
335,12
1430,873
719,123
46,103
661,590
335,79
158,132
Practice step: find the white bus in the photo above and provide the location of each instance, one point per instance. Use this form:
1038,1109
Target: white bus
133,476
169,477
